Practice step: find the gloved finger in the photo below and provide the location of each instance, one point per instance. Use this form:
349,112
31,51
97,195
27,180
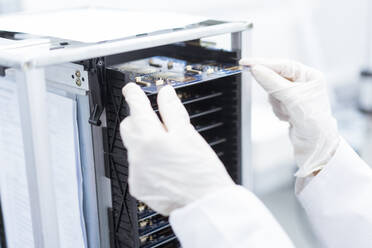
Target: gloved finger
138,102
126,127
140,108
270,80
137,132
171,109
288,69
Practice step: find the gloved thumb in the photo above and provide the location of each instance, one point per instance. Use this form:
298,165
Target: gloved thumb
270,80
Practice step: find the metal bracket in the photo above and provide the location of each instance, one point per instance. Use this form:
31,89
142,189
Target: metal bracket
95,116
68,75
97,89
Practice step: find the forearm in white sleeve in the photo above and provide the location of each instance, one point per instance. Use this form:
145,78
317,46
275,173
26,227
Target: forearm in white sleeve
338,201
233,217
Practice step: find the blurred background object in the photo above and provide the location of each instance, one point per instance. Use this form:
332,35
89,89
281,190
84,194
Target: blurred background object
8,6
331,35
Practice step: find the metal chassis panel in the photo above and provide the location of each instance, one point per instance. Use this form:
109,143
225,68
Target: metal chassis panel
239,42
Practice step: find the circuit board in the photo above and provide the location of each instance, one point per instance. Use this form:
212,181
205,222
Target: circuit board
155,72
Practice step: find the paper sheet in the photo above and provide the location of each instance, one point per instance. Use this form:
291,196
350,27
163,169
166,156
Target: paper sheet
94,25
66,171
13,186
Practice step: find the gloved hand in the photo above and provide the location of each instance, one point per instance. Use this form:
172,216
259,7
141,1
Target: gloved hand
298,94
170,164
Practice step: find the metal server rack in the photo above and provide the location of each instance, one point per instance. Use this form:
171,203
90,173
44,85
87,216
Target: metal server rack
47,64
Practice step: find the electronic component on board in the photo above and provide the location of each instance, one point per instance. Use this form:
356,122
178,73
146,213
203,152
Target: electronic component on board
154,64
170,65
210,70
159,82
190,69
141,207
139,81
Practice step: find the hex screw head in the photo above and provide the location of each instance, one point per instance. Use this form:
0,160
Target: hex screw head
77,74
78,82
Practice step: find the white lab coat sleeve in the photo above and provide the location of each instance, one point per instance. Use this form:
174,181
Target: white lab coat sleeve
233,217
338,201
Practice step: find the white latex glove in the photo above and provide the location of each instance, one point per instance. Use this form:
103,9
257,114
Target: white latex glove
170,164
298,95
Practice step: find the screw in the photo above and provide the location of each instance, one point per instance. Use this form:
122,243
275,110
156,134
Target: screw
77,74
78,82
